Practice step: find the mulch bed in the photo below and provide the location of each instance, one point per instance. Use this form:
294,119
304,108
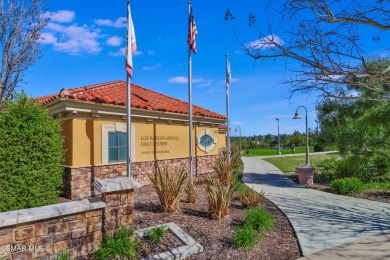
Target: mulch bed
215,235
168,242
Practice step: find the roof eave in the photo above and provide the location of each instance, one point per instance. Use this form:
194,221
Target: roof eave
61,105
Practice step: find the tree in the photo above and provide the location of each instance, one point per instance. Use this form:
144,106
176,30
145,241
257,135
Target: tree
21,26
31,155
359,128
297,139
329,44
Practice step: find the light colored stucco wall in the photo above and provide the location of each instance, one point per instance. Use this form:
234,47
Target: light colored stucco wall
153,141
67,133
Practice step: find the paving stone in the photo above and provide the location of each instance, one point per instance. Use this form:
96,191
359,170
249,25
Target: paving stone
321,220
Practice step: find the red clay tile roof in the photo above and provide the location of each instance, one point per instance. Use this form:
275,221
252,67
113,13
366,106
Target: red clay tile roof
114,93
222,127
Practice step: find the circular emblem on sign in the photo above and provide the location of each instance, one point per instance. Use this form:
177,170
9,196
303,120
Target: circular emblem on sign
206,140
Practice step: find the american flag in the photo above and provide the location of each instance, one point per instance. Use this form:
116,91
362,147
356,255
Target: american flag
192,32
131,44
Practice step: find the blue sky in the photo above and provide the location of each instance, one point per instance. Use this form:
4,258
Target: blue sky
85,40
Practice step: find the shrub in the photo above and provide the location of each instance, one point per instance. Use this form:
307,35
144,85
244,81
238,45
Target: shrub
325,170
236,181
259,219
319,148
219,196
121,246
347,185
239,186
31,155
382,165
155,234
245,237
351,167
379,184
191,191
225,168
169,186
250,198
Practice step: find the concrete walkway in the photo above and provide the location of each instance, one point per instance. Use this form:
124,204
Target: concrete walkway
321,220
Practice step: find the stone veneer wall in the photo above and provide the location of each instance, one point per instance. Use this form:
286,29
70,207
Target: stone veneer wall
80,234
76,227
119,210
78,180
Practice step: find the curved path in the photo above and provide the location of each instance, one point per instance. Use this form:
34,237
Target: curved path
321,220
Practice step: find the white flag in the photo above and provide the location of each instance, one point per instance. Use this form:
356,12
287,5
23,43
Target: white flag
131,44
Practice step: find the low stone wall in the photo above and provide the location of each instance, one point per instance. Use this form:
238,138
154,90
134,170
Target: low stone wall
78,180
41,232
76,226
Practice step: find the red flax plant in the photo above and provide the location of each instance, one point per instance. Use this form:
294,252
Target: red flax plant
225,167
250,198
219,195
191,191
169,186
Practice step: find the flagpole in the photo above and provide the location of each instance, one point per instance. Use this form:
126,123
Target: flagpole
227,107
128,99
190,98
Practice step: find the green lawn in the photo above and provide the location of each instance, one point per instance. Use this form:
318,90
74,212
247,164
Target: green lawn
288,164
262,152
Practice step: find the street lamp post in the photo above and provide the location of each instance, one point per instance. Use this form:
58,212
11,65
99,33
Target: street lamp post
279,153
297,116
306,172
239,128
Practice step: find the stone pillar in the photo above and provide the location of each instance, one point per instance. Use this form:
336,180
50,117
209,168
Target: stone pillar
305,175
118,194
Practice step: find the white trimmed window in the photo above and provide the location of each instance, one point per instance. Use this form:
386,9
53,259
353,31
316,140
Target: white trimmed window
114,143
206,140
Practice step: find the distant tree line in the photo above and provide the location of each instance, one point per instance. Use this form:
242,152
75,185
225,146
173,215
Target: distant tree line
270,141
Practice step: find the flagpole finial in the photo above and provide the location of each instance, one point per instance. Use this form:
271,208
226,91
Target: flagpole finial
227,55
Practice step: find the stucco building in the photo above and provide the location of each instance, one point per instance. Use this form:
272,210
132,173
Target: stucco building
94,127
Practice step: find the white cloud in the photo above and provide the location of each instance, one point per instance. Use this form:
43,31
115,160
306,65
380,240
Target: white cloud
137,53
204,83
48,38
73,39
231,80
61,16
118,53
181,79
114,41
152,67
122,52
121,22
207,84
78,39
238,123
265,42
